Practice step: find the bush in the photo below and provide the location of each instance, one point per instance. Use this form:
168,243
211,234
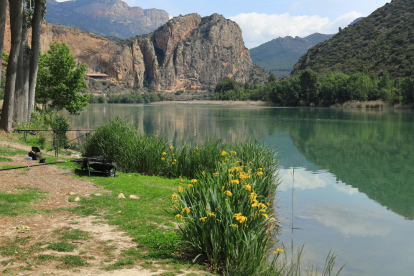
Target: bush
151,155
226,214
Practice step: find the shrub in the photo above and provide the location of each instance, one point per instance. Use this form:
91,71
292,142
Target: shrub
226,214
136,152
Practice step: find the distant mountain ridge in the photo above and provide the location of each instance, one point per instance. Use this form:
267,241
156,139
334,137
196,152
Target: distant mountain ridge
280,54
105,17
381,42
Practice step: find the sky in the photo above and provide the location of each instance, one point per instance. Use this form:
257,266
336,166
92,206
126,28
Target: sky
264,20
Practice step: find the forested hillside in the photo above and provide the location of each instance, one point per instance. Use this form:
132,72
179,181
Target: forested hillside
381,42
279,55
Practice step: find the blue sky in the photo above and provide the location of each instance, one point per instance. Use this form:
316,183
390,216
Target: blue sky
264,20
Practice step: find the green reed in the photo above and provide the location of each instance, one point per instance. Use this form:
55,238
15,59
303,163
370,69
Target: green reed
224,202
226,216
148,154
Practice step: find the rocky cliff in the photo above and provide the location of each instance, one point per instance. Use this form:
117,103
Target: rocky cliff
105,17
188,53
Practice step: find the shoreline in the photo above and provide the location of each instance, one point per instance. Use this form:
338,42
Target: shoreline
211,102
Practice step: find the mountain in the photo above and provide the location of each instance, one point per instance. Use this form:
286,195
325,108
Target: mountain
280,54
383,41
356,20
105,17
187,53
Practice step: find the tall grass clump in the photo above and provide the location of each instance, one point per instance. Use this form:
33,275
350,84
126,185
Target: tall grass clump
133,151
226,216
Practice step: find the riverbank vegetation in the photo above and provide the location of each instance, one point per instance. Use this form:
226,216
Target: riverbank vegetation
311,89
223,202
131,97
223,208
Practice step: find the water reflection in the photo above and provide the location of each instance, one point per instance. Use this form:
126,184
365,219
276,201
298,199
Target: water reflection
353,176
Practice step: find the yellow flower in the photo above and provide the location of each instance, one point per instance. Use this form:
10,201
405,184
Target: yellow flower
262,210
233,152
259,173
222,187
173,163
228,193
223,153
174,160
178,216
260,169
278,250
234,181
248,187
234,225
174,196
240,218
186,209
180,189
174,206
196,148
203,173
261,205
164,153
119,211
203,218
171,147
193,181
265,215
216,173
211,214
162,158
190,185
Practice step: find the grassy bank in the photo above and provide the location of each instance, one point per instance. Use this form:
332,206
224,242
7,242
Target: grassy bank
216,215
223,201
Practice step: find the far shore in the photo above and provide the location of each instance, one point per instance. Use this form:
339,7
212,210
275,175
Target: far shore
208,102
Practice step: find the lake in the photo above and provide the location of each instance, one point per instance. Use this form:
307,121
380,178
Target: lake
347,176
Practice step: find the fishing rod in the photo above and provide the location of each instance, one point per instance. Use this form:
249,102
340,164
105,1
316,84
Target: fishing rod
24,167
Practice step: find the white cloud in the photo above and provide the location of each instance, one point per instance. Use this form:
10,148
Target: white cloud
351,220
260,28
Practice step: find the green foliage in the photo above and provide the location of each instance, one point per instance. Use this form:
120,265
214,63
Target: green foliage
59,80
380,42
5,60
96,99
226,214
137,152
135,97
309,88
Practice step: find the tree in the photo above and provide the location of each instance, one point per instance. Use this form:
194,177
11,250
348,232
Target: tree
22,67
59,81
3,5
309,86
16,23
38,15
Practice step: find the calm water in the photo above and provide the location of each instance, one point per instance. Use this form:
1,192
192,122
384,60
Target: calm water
347,176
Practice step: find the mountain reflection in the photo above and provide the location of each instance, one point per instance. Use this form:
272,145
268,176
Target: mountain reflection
365,151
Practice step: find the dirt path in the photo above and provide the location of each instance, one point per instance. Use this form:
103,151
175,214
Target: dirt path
103,247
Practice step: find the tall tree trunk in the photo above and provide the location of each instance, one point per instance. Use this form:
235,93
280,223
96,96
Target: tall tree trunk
3,7
21,98
16,23
34,62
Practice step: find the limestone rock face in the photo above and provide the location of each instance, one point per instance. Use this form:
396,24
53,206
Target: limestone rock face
187,53
194,53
